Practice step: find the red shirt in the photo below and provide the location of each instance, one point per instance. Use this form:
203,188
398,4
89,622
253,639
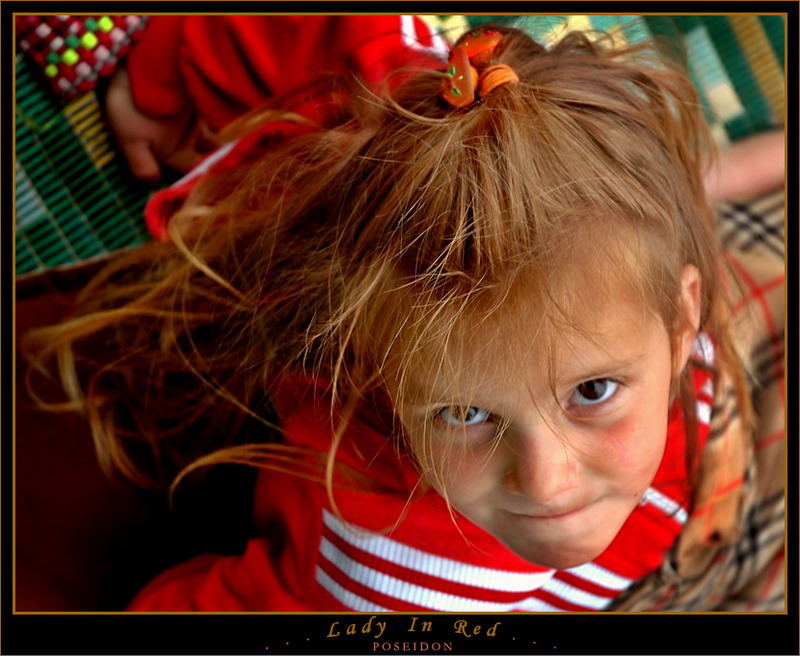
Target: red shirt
222,66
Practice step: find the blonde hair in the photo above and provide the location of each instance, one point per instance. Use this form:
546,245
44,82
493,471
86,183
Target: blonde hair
347,252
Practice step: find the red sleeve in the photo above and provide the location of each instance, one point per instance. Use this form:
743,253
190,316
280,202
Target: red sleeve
154,70
226,65
166,202
245,582
375,46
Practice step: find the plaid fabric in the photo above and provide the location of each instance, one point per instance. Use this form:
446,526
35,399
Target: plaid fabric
75,199
731,554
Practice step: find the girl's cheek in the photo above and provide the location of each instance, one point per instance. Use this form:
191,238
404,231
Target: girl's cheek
467,474
450,459
627,444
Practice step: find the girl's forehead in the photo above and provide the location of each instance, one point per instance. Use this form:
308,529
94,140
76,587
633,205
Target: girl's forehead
521,344
542,319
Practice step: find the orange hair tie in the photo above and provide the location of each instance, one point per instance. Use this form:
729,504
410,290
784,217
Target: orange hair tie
495,76
465,68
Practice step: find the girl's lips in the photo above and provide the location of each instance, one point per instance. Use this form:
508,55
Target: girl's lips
554,515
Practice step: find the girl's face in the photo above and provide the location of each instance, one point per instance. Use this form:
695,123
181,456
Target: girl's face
554,477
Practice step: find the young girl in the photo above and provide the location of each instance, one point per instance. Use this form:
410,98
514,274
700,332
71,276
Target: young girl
492,317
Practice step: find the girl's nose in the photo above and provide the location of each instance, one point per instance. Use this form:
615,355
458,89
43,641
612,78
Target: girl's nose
541,466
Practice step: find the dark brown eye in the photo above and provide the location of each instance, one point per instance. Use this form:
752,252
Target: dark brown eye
594,391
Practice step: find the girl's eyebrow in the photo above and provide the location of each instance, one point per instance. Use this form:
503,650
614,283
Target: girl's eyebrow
600,370
425,408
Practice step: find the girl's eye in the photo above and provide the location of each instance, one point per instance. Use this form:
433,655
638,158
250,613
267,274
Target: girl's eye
463,416
594,391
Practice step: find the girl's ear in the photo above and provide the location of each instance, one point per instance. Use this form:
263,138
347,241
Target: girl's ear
689,312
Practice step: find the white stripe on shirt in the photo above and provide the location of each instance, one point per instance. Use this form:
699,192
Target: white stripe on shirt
534,605
703,412
433,565
347,598
666,505
403,590
207,163
575,595
704,348
438,47
600,576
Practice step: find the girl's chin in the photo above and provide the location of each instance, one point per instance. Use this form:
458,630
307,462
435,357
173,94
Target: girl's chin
563,553
556,557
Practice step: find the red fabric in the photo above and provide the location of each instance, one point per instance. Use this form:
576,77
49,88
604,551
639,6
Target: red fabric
222,66
282,572
168,201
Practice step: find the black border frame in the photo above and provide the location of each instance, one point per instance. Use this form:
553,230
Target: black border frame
258,633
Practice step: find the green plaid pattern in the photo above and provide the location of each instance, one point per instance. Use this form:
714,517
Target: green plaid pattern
75,199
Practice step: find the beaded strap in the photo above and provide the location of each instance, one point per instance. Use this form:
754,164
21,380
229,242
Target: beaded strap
74,51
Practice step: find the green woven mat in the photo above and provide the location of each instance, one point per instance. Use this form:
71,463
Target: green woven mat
75,200
74,196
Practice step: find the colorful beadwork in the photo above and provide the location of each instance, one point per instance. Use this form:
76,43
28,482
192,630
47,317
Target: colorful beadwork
89,40
70,57
74,51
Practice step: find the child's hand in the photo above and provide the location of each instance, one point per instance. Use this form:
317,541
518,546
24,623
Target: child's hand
748,168
147,141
